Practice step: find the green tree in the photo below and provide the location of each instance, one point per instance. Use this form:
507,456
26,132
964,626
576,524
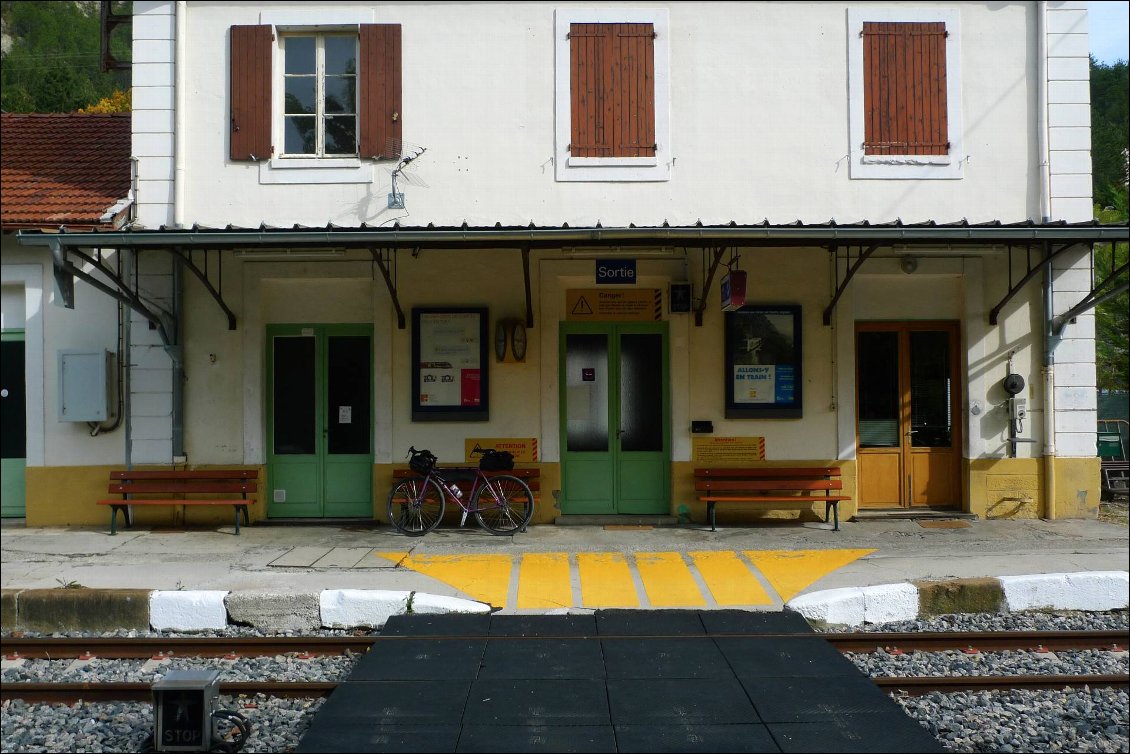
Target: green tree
1112,317
54,64
1110,130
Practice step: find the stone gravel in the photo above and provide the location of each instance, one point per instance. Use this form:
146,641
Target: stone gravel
1074,720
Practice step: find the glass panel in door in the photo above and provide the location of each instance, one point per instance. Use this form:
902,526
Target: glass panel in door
587,473
932,455
13,426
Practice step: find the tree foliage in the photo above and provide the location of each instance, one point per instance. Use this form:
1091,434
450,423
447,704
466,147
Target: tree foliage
54,63
1112,317
1110,130
118,102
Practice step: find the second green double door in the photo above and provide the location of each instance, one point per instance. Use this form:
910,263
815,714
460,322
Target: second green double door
320,421
615,418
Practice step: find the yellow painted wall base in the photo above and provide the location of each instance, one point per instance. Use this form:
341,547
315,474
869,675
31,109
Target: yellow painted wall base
1005,488
1009,488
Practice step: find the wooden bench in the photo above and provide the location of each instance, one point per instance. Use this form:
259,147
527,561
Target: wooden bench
772,487
140,487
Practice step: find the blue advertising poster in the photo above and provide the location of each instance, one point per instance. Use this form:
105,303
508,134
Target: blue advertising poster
763,362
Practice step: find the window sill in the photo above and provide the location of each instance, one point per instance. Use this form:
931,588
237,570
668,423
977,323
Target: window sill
304,170
612,162
910,159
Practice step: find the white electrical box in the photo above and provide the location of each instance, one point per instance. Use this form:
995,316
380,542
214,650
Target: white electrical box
85,379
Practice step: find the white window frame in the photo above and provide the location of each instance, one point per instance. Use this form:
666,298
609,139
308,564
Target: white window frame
319,77
655,168
309,170
899,167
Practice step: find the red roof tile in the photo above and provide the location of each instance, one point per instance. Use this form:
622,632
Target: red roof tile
62,169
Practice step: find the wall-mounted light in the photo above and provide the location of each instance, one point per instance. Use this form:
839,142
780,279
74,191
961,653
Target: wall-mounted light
908,264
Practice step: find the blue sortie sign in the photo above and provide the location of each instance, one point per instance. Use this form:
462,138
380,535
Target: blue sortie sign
615,271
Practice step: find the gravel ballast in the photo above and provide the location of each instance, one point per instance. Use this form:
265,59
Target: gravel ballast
1075,720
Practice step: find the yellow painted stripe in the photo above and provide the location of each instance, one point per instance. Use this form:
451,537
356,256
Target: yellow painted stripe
667,580
543,581
485,578
792,571
606,580
729,579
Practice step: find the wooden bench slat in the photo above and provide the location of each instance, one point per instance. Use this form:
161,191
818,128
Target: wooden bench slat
175,501
769,471
134,488
804,499
520,473
191,475
780,484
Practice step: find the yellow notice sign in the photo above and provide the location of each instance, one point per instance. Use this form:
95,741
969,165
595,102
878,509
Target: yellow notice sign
727,449
524,449
617,305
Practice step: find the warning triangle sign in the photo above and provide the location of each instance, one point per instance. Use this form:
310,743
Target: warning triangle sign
581,307
792,571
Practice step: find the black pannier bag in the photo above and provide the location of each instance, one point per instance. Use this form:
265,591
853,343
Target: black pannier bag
496,460
422,462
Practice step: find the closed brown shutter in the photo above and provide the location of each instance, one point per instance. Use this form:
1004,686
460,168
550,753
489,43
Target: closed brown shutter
381,121
904,70
612,90
252,48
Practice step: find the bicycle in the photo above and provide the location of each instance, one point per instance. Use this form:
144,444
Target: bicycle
501,503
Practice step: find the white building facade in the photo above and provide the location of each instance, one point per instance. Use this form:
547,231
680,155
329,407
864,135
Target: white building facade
337,205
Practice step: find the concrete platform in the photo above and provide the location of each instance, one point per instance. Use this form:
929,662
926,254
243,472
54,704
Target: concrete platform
868,571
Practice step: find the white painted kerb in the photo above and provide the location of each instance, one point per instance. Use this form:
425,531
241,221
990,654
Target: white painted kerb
187,610
1090,590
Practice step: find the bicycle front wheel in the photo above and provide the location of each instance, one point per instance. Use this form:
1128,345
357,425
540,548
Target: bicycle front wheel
415,506
504,505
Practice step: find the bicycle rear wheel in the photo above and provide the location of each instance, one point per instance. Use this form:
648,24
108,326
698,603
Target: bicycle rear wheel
415,506
504,505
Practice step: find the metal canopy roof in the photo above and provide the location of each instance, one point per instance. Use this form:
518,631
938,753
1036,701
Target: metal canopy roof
533,236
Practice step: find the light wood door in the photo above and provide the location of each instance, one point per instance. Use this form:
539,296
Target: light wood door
907,428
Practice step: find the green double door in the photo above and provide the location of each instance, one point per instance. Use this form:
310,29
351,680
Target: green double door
320,421
615,418
13,424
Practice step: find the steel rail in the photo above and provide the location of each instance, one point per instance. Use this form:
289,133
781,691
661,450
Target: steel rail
259,646
914,686
920,685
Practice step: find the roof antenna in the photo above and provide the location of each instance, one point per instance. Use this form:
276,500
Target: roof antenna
395,197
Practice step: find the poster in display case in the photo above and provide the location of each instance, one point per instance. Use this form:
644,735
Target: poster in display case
763,362
449,364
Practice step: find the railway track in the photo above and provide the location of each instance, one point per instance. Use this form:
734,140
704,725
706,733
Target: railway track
311,647
257,646
70,693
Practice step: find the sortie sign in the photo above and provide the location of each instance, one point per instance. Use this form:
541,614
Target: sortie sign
615,271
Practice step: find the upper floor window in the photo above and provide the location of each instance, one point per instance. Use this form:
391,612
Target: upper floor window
612,77
323,96
904,93
320,95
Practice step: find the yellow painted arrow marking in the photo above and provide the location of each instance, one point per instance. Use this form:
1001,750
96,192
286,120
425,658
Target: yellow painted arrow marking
545,580
792,571
485,578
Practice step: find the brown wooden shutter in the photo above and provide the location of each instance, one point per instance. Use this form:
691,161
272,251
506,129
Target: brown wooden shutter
381,121
904,89
612,90
252,48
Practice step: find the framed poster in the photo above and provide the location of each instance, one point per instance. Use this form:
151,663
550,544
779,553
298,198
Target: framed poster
449,364
763,362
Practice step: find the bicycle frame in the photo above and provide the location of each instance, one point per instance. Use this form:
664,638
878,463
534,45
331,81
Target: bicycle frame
451,491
